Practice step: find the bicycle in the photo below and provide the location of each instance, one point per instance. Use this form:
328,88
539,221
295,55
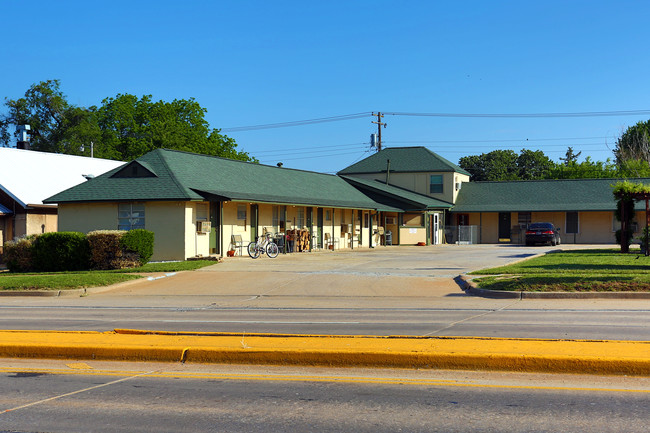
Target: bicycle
257,248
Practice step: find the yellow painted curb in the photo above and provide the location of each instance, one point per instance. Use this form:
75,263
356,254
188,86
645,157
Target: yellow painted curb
468,353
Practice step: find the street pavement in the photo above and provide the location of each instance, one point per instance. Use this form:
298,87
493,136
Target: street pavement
383,277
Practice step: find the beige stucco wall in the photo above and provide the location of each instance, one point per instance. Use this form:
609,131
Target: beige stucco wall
233,226
412,235
419,182
489,226
171,241
196,244
593,227
41,223
86,217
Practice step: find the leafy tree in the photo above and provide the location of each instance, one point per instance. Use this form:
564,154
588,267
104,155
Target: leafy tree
131,127
533,164
56,125
570,156
500,165
587,169
122,128
634,143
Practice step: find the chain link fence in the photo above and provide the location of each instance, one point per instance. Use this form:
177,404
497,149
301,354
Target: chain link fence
462,235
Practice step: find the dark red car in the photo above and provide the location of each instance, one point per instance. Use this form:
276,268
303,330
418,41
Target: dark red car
542,233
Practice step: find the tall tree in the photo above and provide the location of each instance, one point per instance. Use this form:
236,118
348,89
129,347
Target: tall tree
501,165
123,128
131,127
570,156
634,143
55,124
533,164
587,169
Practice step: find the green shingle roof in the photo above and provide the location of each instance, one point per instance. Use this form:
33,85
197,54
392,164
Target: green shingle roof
539,195
396,197
403,160
188,176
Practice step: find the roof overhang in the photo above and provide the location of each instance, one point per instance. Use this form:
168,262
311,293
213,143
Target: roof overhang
279,200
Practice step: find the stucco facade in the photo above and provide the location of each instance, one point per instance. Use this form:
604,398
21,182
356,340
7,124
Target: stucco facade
594,227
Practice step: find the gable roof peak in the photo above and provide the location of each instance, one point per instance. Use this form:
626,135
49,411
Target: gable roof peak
412,159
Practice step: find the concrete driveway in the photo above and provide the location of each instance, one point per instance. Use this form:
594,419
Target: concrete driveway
383,277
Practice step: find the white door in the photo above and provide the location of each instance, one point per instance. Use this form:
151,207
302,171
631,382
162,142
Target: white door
436,231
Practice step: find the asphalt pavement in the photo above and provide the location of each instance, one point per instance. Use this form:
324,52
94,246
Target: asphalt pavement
385,278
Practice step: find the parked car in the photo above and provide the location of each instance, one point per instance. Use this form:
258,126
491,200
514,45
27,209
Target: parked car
542,233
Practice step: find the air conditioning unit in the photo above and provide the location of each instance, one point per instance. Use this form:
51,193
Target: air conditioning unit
203,226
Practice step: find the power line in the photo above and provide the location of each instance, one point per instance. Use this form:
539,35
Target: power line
297,122
525,115
459,115
268,160
522,140
303,149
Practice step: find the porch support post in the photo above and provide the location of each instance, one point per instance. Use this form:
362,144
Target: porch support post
647,224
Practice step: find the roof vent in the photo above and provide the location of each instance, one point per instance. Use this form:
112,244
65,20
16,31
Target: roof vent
88,176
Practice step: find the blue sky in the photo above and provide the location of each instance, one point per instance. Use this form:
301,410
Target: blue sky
260,62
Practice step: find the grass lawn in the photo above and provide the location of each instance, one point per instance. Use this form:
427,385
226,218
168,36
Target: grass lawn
79,280
578,270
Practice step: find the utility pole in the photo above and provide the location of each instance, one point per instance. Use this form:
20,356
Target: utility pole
379,124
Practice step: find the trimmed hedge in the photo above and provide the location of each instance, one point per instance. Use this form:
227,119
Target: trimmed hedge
106,250
61,251
139,241
19,254
74,251
119,249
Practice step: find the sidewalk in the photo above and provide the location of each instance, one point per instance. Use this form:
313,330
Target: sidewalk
471,353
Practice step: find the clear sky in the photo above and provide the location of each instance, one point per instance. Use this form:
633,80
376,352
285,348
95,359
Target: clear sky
261,62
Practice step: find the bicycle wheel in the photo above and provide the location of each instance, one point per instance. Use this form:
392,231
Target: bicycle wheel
272,250
253,250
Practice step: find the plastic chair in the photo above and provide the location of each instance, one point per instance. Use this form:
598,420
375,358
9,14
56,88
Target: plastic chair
237,242
329,240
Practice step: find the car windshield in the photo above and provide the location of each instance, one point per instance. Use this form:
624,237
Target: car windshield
537,226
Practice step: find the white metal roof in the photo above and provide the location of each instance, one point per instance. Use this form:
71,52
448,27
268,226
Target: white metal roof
29,177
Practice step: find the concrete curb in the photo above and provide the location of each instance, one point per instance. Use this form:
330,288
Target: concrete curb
463,353
470,288
44,293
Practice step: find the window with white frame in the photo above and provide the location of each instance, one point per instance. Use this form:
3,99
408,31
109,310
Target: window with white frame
130,216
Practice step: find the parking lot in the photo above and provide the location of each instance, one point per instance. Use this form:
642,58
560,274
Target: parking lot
396,277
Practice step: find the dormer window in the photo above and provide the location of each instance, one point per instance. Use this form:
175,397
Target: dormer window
134,169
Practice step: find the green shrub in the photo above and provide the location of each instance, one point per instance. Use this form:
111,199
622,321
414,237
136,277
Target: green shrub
140,242
106,251
61,251
630,233
19,254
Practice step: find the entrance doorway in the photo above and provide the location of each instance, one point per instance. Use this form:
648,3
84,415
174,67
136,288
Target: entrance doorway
254,221
504,226
319,228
